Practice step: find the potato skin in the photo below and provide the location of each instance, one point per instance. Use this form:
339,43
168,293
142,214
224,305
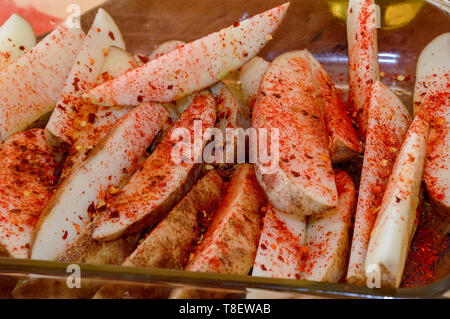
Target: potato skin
230,243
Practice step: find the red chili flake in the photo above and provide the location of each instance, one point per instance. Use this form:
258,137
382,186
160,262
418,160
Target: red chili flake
75,83
236,24
144,59
64,237
62,108
91,118
140,99
295,174
22,48
114,215
111,35
170,87
91,208
276,95
263,268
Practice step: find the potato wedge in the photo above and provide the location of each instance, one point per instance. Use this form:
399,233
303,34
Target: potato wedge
193,67
27,183
303,183
230,243
16,38
394,226
68,212
280,246
328,236
83,250
101,119
363,68
30,87
342,137
232,115
161,182
436,110
83,76
170,244
250,76
433,69
388,122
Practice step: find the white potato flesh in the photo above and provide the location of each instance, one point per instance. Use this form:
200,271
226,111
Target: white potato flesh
114,156
250,76
328,236
83,76
388,122
16,38
433,68
192,67
394,227
117,62
363,68
436,110
30,87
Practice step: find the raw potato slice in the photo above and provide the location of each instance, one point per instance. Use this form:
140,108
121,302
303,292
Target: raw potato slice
343,141
68,212
436,110
165,177
303,180
165,48
30,87
83,250
193,67
394,227
232,115
328,236
433,68
250,76
101,120
388,122
169,244
230,243
26,179
83,76
16,38
363,68
280,246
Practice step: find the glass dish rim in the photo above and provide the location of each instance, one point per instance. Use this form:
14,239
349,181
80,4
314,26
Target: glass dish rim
137,275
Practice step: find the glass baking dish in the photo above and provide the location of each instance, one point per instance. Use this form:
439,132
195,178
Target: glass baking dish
319,26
